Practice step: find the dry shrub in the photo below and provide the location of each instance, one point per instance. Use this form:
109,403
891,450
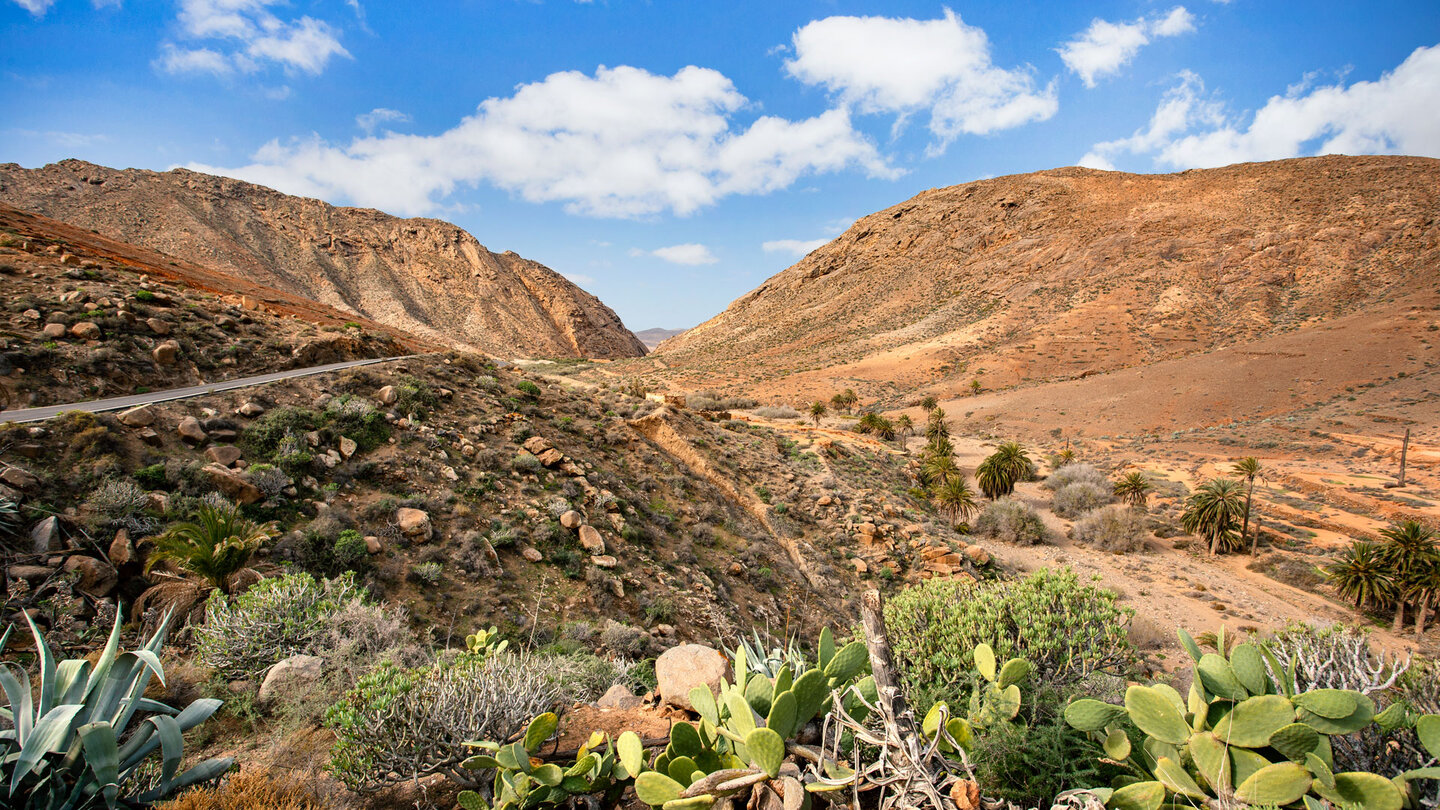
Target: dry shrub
1079,498
1011,521
250,790
1077,473
1113,528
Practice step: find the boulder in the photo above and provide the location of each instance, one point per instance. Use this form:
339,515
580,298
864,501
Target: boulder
190,430
235,488
166,353
536,445
373,544
18,478
604,561
290,676
414,523
45,536
680,669
619,697
387,395
30,573
121,550
158,326
572,519
53,331
978,555
86,330
141,416
224,455
93,577
551,457
348,447
591,540
31,315
250,410
150,437
532,554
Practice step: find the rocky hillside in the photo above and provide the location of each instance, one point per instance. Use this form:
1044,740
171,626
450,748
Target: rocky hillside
1072,273
423,276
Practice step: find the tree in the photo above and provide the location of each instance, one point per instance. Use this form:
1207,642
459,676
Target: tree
1002,470
215,546
974,387
929,403
838,402
937,469
1424,590
1410,550
956,499
1133,489
871,422
936,426
1249,469
845,400
1362,576
817,411
1212,512
1062,458
904,426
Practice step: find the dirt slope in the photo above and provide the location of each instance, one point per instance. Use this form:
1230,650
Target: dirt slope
423,276
1072,272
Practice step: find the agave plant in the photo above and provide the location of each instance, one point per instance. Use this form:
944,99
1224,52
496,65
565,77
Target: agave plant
74,743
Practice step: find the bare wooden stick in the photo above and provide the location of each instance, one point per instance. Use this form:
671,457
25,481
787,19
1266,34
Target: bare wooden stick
877,642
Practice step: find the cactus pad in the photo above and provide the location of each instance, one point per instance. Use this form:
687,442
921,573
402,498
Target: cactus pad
701,802
1174,777
631,751
1249,668
1015,671
1218,678
810,691
1209,755
782,715
1367,791
1295,741
1137,796
1251,723
1332,703
767,750
1281,783
1088,714
1428,729
1153,714
655,788
985,661
848,662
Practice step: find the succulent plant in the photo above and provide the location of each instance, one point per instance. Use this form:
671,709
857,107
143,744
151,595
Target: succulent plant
996,699
486,642
522,780
1241,738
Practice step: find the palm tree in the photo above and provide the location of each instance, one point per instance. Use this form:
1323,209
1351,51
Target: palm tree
937,469
1212,511
929,403
1361,575
845,400
936,427
1410,550
1424,589
904,426
1133,489
956,499
1248,468
817,410
1001,470
974,387
1064,457
215,546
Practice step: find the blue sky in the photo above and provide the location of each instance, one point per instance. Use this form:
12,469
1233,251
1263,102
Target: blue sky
670,156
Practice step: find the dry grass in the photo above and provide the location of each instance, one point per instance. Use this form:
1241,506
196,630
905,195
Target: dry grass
250,790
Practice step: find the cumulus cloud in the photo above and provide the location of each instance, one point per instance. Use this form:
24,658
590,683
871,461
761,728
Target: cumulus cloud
1105,47
1394,114
692,253
380,115
905,66
795,247
244,36
621,143
36,7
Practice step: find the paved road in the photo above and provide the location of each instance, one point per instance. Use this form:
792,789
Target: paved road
121,403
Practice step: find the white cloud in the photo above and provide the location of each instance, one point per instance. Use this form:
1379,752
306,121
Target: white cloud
1105,47
1394,114
578,278
797,247
380,115
902,65
246,37
70,140
36,7
621,143
688,254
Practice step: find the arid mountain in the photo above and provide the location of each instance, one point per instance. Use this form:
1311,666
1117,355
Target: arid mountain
654,337
422,276
1032,279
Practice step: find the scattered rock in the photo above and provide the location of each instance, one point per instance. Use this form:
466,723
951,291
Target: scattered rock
619,697
348,447
414,523
449,474
250,410
45,536
31,315
70,259
387,395
141,416
680,669
232,485
86,330
190,430
158,326
18,478
29,573
94,578
572,519
150,437
591,540
604,561
290,676
536,445
373,544
166,353
532,554
977,555
225,455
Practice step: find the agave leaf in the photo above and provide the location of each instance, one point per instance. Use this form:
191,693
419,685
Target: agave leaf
47,668
17,694
50,735
101,753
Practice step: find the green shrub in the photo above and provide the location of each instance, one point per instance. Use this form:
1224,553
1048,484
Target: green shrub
350,550
526,463
1081,497
1066,628
1030,761
355,418
1114,528
414,395
1011,521
143,295
429,573
150,477
273,620
528,388
279,438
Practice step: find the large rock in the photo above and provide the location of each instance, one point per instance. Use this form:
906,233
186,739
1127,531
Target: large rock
141,416
619,697
224,455
45,536
680,669
572,519
166,353
591,540
387,395
158,326
122,551
30,573
250,410
86,330
414,524
290,677
18,478
190,430
93,577
235,488
53,331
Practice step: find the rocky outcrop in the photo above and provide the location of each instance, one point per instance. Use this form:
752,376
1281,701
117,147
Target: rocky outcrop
425,277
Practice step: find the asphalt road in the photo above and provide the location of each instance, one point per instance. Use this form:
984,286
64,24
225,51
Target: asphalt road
122,403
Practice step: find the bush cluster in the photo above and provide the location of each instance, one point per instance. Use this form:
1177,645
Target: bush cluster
1011,521
1113,528
1081,497
1075,473
777,412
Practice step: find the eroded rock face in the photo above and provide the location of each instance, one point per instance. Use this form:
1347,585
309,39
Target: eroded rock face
355,259
679,669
